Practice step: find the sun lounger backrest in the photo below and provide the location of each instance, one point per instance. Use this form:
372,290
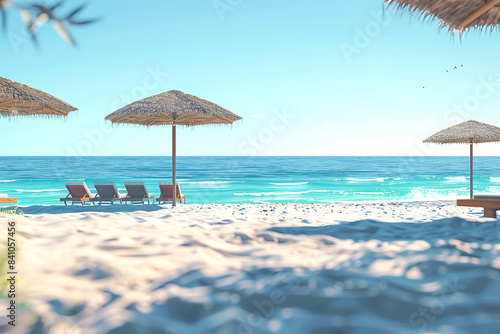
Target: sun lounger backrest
136,190
166,189
78,189
106,189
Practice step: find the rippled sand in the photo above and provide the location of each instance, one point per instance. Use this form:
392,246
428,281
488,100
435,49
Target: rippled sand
406,267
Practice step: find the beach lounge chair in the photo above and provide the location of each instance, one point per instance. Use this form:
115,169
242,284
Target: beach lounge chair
166,190
137,192
106,192
4,199
78,192
489,202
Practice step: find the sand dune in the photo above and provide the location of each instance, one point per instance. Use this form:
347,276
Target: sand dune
406,267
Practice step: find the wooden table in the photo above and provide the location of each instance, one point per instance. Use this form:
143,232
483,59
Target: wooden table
490,205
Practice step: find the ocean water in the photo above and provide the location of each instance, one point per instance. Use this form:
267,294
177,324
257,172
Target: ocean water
40,180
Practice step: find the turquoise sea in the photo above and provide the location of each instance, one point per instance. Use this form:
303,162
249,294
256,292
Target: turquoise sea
40,180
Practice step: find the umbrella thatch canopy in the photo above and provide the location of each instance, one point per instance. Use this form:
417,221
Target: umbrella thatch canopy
173,108
469,132
458,15
20,100
466,132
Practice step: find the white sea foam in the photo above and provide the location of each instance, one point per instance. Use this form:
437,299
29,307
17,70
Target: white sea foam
494,179
7,181
208,182
39,190
378,179
281,193
421,194
290,184
456,179
368,193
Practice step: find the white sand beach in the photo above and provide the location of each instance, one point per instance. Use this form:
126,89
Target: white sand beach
402,267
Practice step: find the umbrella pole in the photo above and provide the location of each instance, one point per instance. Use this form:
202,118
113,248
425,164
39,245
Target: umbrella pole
174,197
471,169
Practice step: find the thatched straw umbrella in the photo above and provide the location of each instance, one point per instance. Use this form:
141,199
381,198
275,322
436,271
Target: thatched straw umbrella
20,100
469,132
457,15
173,108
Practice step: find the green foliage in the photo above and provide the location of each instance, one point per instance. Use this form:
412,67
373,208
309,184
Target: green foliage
12,210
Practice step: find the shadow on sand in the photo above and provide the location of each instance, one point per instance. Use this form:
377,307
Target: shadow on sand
363,230
59,209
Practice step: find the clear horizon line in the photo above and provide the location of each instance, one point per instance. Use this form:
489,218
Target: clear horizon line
248,156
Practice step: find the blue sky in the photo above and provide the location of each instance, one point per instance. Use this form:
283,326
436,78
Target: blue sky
308,77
